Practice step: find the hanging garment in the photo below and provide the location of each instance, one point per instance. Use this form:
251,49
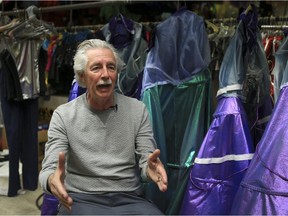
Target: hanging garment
281,57
127,37
177,92
59,69
11,85
23,42
21,124
264,188
228,147
271,44
75,90
221,162
248,78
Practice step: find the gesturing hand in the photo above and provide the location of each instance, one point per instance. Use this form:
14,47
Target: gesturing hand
156,172
56,183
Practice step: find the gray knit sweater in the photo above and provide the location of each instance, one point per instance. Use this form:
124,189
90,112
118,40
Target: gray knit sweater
102,148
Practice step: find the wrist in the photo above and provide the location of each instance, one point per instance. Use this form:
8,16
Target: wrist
147,174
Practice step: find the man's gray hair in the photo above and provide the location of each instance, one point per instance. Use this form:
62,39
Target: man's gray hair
81,60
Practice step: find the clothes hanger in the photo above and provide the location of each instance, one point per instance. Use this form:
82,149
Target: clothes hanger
212,26
10,25
32,27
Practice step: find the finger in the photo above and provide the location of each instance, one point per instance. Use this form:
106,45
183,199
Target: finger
67,203
155,155
162,187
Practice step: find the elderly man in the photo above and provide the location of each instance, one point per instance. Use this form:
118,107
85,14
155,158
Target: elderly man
100,145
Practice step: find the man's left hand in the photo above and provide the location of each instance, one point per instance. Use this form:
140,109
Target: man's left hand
156,171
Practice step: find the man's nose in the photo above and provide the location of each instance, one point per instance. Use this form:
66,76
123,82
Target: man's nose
105,72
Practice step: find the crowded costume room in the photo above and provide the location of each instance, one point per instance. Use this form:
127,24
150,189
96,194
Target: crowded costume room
143,107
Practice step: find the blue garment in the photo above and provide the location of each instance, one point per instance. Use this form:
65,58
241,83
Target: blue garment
177,92
181,49
228,147
221,162
281,57
264,189
244,73
75,90
131,47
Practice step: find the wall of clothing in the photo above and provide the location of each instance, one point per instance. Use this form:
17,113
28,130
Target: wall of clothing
211,87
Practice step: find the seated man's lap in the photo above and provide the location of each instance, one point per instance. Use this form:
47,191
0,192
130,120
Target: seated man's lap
110,204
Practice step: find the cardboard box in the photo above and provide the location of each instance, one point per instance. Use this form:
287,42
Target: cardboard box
4,144
42,137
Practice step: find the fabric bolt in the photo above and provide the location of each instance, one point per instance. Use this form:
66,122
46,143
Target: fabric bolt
263,190
221,163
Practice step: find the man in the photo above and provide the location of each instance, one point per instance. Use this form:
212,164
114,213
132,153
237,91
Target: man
100,145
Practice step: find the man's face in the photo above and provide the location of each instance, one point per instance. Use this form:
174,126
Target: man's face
100,75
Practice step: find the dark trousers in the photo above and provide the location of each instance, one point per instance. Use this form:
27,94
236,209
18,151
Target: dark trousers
21,124
110,204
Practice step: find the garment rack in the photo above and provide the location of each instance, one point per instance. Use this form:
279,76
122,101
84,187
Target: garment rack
77,6
96,27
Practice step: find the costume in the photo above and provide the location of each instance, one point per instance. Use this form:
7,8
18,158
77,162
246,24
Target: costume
19,92
102,147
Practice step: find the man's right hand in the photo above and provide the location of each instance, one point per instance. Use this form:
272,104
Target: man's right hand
56,183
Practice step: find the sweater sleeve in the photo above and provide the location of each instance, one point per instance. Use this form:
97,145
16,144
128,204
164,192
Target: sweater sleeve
145,143
57,142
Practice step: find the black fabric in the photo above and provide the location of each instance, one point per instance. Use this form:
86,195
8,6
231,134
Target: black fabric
121,31
42,59
21,124
10,79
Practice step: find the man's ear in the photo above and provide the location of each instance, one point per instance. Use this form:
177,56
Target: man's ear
82,77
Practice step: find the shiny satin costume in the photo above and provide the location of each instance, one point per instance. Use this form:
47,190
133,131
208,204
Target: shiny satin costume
228,147
176,90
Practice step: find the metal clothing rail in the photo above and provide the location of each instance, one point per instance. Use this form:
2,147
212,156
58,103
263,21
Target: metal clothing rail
261,20
96,27
274,27
65,7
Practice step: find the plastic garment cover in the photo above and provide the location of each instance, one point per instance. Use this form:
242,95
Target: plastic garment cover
264,188
177,92
281,57
132,48
221,163
180,50
246,70
244,73
49,205
75,90
180,119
